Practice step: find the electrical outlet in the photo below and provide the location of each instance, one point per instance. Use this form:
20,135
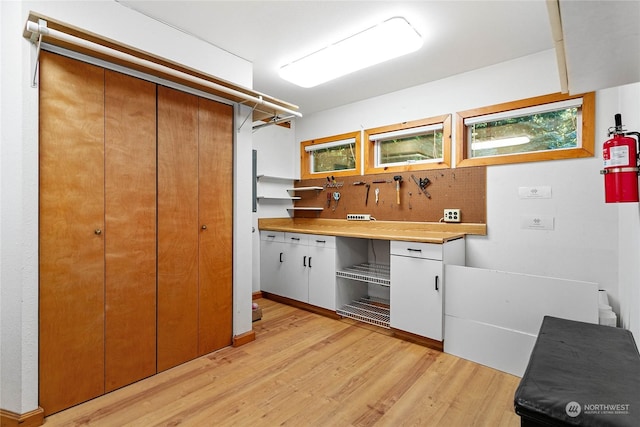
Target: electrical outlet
452,215
359,217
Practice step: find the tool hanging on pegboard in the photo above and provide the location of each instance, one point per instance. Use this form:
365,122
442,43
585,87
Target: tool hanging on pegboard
422,184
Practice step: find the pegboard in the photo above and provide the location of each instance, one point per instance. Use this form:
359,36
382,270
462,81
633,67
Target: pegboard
462,188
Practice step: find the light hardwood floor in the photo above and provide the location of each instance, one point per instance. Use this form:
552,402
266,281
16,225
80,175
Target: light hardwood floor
304,369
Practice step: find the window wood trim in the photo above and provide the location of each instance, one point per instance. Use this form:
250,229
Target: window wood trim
305,162
369,149
587,133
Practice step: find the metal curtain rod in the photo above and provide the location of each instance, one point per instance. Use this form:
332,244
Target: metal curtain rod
43,30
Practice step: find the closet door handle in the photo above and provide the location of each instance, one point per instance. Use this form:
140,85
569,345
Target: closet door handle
437,283
280,256
304,261
309,262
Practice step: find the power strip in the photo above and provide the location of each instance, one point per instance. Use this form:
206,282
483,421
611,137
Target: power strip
359,217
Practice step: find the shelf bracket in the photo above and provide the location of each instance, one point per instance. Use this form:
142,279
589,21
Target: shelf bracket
249,115
36,60
274,121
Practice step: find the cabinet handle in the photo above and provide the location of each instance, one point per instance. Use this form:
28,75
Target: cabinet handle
414,250
204,226
280,256
437,283
304,261
295,238
309,262
271,236
98,231
321,241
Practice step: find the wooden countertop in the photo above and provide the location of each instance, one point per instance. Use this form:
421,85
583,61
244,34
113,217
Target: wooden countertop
426,232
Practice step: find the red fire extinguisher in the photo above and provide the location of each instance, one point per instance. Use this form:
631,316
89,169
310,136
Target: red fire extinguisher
620,165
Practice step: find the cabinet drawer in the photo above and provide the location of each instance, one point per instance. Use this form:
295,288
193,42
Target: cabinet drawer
322,241
296,238
272,236
417,250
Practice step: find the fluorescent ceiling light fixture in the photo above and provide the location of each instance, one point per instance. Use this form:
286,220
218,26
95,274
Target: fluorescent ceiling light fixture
389,39
498,143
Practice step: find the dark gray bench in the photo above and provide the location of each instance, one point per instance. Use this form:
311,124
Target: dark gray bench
580,374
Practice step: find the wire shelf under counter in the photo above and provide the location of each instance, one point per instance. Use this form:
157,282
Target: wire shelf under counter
370,273
368,310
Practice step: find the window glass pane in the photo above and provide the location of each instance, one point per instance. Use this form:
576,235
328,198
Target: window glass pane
421,148
545,131
330,159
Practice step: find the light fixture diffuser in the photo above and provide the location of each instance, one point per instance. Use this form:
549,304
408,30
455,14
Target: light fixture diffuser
389,39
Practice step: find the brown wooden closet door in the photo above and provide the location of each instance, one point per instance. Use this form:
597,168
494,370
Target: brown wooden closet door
130,237
71,301
216,214
178,227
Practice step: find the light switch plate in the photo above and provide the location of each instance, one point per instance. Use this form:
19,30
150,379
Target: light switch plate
537,192
537,222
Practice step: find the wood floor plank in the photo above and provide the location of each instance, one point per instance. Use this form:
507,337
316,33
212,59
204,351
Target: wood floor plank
307,370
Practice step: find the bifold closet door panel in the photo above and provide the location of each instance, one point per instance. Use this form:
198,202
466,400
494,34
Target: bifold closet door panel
216,215
71,241
130,230
178,227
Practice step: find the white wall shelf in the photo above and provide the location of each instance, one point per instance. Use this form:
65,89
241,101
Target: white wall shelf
305,189
275,178
305,209
278,198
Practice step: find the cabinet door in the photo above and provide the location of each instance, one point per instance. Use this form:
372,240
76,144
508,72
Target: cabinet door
296,271
272,259
215,198
71,244
130,223
322,273
178,227
416,296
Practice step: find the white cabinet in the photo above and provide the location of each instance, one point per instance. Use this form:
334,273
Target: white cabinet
321,267
272,253
299,266
395,284
417,285
296,282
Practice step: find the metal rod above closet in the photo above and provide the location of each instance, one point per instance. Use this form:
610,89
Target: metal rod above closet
41,29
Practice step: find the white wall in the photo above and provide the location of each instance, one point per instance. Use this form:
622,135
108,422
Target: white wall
277,151
585,243
19,172
109,19
629,221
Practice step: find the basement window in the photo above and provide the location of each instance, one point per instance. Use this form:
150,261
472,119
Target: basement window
337,155
417,145
544,128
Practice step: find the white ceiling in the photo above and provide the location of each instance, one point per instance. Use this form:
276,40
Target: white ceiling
459,36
